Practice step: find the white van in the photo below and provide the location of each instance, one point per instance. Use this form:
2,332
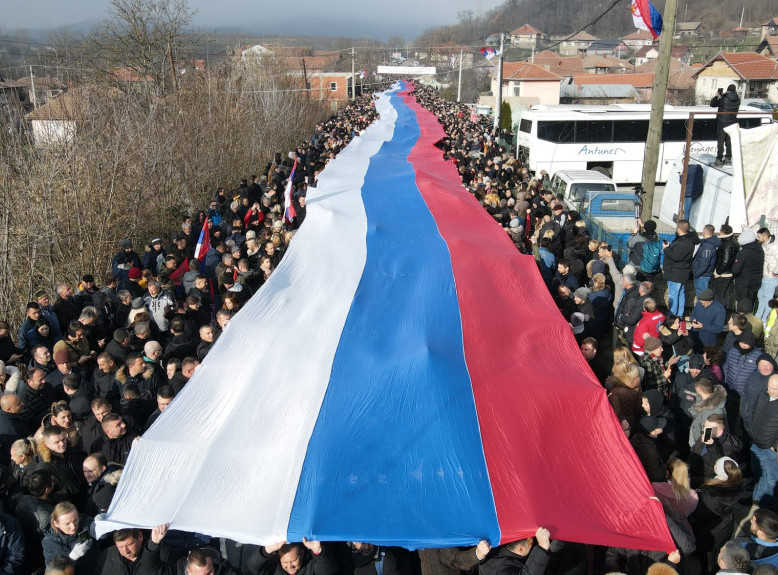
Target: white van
575,184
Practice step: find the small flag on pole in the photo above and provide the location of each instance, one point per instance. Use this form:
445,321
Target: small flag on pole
203,242
289,212
646,17
489,53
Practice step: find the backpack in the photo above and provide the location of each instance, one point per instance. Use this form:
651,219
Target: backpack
651,261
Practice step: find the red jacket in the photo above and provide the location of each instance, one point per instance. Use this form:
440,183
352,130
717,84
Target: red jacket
648,326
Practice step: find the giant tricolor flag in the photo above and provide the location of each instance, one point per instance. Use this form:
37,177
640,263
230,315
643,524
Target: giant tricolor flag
402,378
646,17
203,242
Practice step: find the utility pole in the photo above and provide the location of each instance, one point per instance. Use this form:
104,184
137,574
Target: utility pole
658,99
459,86
499,89
32,90
353,77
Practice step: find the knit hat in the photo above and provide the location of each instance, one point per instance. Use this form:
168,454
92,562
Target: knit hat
696,361
156,241
651,422
747,337
718,467
582,293
650,226
630,273
577,322
766,357
251,235
652,343
515,223
61,356
134,273
747,236
125,244
705,295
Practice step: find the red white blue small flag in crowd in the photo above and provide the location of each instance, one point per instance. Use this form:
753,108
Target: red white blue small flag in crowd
289,212
646,17
203,242
488,53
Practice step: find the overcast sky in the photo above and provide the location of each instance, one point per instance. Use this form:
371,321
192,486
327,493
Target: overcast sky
354,18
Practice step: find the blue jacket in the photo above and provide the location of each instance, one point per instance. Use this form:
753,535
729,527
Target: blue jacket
704,261
739,368
761,552
712,319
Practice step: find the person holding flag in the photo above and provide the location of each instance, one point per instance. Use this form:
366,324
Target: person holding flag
203,242
289,211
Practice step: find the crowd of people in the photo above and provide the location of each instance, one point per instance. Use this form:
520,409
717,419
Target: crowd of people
84,375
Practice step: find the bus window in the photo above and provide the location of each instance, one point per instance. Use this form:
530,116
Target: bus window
674,130
749,122
592,132
630,130
525,126
560,132
704,129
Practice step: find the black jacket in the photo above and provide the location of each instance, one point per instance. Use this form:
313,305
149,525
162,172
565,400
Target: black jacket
68,472
726,254
323,564
729,101
11,545
749,263
764,422
117,450
647,451
508,563
678,258
37,403
149,563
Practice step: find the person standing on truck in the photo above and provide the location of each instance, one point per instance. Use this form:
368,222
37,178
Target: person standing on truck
678,266
645,250
728,103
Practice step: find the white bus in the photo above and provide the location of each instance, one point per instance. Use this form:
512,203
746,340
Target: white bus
612,139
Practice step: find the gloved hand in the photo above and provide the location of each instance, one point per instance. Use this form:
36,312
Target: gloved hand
80,549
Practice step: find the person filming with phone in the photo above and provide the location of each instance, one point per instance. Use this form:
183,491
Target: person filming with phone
728,103
714,443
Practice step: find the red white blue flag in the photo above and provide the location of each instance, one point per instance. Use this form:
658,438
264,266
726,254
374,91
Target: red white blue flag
646,17
402,406
203,242
488,53
289,212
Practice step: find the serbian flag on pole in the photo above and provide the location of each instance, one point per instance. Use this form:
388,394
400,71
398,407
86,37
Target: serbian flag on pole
646,17
289,212
488,53
203,242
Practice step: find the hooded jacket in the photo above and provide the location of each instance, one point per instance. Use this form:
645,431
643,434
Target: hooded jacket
702,409
749,262
729,101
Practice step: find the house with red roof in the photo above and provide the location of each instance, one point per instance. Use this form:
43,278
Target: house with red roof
639,38
525,84
526,37
562,66
754,76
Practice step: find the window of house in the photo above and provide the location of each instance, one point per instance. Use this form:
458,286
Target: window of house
333,86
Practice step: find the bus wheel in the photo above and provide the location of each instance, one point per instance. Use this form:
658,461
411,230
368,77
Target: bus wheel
603,170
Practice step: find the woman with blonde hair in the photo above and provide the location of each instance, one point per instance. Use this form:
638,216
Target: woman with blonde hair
23,452
678,499
714,520
71,535
624,394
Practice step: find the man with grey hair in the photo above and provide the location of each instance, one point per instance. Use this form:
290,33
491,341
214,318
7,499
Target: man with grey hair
159,304
733,559
152,355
